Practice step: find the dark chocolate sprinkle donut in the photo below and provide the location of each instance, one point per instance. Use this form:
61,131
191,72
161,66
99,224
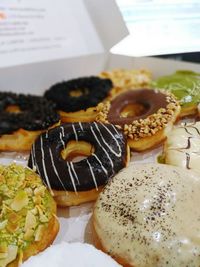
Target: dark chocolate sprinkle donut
35,113
93,91
109,156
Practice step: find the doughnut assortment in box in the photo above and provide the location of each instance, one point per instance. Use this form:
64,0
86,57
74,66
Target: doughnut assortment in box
131,131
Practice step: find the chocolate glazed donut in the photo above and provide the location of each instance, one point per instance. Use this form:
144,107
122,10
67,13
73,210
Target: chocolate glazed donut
151,101
109,156
145,115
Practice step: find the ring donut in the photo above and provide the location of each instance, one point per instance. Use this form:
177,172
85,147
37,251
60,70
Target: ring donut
144,115
27,215
71,182
76,99
185,86
23,118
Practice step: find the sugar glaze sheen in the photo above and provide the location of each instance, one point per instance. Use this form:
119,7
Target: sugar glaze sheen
149,216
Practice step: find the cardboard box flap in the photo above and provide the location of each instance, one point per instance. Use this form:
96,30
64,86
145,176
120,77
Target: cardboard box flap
108,21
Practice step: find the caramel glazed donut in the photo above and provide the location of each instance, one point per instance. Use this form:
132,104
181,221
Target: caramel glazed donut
148,216
146,116
73,183
23,118
77,99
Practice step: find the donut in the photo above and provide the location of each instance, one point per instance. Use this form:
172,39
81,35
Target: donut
144,115
23,118
148,215
124,79
77,99
185,85
60,254
182,147
73,183
27,215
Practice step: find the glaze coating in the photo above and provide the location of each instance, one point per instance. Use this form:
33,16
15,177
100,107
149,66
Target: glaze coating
109,156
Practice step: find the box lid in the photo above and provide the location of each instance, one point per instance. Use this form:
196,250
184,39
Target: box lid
43,30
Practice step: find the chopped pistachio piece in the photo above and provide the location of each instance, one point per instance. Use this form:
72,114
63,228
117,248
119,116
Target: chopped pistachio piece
20,201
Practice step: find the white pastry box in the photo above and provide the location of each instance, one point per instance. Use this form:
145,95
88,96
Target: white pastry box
44,41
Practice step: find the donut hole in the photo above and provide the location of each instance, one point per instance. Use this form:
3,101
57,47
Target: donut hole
79,92
13,109
134,110
76,151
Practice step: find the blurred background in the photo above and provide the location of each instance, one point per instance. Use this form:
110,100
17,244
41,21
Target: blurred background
171,27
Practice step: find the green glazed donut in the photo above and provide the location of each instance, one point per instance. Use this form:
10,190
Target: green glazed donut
185,85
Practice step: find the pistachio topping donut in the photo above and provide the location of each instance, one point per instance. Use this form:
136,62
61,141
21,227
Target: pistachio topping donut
73,182
23,118
144,115
148,216
27,215
182,147
185,85
77,99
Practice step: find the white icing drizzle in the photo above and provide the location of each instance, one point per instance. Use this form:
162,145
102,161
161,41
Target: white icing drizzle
61,136
102,147
72,167
74,130
44,167
104,169
32,157
93,176
71,170
182,147
117,143
80,124
55,170
71,177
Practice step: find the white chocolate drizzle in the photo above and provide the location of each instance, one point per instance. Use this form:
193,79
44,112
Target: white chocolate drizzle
93,176
111,162
69,168
55,170
182,147
44,167
75,134
113,137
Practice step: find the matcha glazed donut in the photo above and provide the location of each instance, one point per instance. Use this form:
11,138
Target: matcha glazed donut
185,85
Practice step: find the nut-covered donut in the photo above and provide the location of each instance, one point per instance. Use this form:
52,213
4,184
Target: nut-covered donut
76,99
27,215
124,79
23,118
76,182
144,115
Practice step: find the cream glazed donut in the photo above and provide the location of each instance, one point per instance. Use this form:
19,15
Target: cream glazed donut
182,147
72,183
148,216
74,254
